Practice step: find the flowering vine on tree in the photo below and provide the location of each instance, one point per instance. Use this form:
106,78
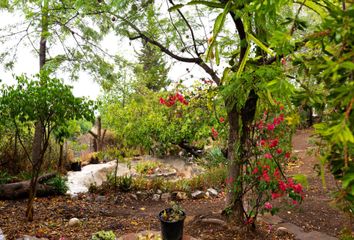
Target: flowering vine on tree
264,178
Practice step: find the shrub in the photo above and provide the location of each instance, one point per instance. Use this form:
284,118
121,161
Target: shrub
5,177
59,183
215,158
125,182
104,235
144,167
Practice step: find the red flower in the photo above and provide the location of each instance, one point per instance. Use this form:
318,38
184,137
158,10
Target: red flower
273,143
277,173
287,155
214,133
179,97
282,186
221,119
185,102
294,202
297,188
281,107
162,101
268,156
249,220
265,176
229,180
255,171
270,127
283,61
276,195
268,205
281,117
263,142
260,125
279,150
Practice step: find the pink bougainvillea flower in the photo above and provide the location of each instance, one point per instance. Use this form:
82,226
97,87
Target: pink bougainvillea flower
297,188
221,119
275,195
162,101
282,186
290,183
268,156
268,205
214,132
255,171
279,150
294,202
229,180
283,61
277,173
287,155
273,143
260,125
265,176
263,142
270,126
276,121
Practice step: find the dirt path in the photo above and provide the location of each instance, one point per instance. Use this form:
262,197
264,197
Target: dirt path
317,212
123,214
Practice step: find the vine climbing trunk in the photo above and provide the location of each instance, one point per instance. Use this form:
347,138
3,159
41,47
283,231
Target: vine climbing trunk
38,148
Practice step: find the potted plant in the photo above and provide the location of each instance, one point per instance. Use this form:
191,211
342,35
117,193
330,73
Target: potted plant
172,220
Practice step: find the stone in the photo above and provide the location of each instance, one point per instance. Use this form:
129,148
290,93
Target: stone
181,196
74,222
198,194
134,197
159,191
142,195
166,197
100,198
156,197
2,236
212,192
281,231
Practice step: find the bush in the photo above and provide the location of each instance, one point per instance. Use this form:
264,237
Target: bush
5,177
144,167
215,158
125,182
104,235
59,183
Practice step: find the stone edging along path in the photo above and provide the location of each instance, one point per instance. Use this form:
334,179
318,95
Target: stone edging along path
297,231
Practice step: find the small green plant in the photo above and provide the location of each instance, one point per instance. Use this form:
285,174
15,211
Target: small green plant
125,183
215,158
104,235
5,177
59,183
173,214
146,167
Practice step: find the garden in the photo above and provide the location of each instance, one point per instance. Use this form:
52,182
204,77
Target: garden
216,119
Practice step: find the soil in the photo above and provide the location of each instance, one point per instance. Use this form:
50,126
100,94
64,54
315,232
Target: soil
317,211
121,213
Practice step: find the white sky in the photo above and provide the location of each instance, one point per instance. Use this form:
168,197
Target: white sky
28,63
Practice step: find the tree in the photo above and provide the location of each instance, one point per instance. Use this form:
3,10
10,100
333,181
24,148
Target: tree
254,71
48,24
48,105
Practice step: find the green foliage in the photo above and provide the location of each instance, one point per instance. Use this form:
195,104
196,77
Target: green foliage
215,157
145,167
104,235
59,183
5,177
125,183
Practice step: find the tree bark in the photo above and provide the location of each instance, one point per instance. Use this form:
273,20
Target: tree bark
21,189
38,148
61,156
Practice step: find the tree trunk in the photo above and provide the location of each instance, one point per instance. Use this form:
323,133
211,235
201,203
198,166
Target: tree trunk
61,156
237,154
21,189
37,147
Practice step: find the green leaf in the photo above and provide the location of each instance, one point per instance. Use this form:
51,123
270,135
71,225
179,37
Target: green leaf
300,178
175,7
207,3
314,6
347,65
243,62
217,55
348,179
260,44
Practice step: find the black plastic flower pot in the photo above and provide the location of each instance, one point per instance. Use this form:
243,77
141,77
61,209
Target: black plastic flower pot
172,230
